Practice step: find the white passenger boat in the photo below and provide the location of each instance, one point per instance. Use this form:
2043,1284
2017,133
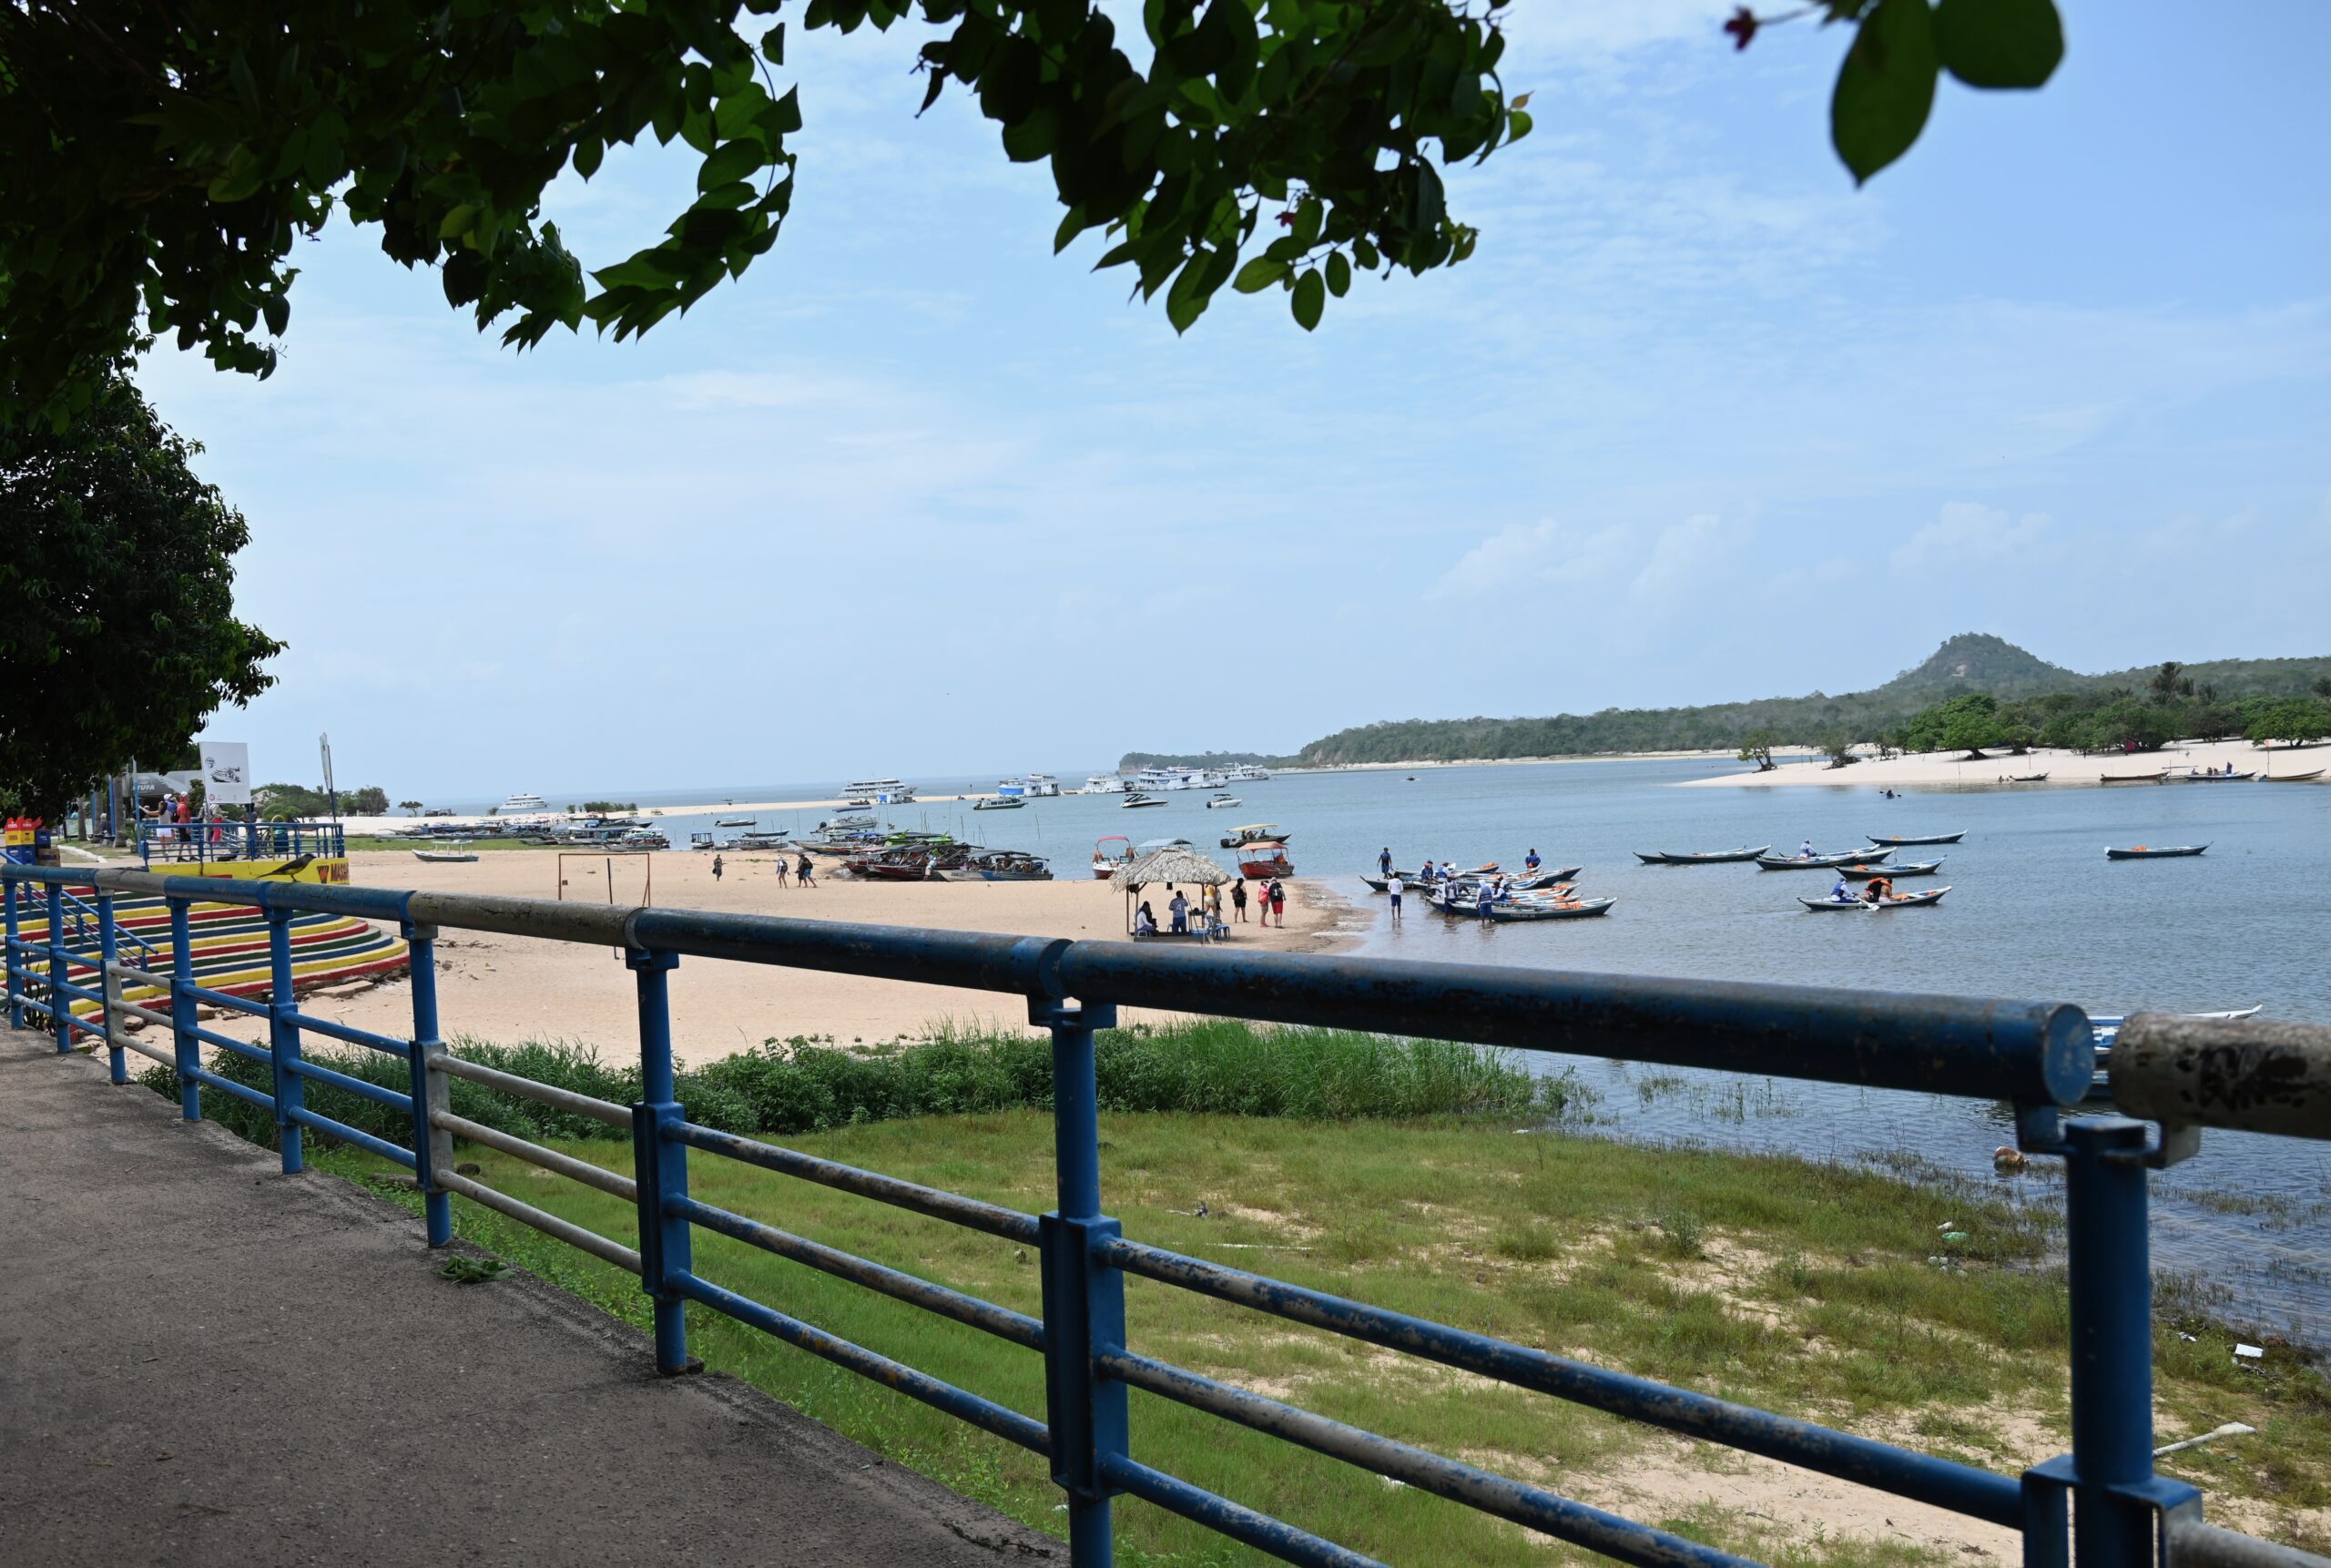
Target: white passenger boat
877,792
519,805
1104,784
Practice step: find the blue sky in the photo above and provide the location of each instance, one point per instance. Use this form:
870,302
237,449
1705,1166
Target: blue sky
1699,422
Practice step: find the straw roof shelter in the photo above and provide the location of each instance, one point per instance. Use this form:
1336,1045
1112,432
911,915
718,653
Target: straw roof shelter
1170,865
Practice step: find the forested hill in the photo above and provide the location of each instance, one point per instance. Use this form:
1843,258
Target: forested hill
1971,662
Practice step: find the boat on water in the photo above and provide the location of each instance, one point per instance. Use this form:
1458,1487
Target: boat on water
2290,777
2147,852
2027,778
2208,778
877,792
1222,801
1550,909
1908,869
999,803
1700,857
1248,773
1134,799
1544,878
1898,840
1255,833
1822,862
774,839
2153,777
1000,866
1104,784
1895,901
1264,857
1105,862
735,822
518,804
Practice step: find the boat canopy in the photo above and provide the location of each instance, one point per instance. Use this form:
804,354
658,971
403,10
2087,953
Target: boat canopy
1151,846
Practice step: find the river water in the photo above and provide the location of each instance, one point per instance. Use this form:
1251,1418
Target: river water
2035,910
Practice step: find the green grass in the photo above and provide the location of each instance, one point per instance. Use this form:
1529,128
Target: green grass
1804,1288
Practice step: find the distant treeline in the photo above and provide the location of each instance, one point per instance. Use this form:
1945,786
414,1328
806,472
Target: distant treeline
2172,707
1217,760
1968,664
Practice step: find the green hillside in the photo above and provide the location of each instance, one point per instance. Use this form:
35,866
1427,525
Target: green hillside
1971,662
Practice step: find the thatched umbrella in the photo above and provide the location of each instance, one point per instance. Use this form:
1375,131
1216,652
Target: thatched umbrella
1170,865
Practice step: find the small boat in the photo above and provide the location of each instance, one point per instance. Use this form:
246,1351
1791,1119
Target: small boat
1529,881
2290,777
1135,798
1264,857
1255,833
1000,866
452,855
2218,778
1898,901
1105,863
1550,909
1898,841
1220,801
1701,857
2133,778
2147,852
1822,862
2027,778
1909,868
999,803
735,822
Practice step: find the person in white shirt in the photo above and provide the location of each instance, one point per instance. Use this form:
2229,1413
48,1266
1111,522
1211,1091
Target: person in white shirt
1394,886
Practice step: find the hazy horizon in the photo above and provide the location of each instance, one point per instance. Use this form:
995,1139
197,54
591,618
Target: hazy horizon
1700,422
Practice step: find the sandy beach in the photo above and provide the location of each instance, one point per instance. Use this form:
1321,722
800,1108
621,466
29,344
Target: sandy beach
1948,771
510,989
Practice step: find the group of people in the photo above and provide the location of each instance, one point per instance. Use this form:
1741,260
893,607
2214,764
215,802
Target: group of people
800,871
1488,892
1876,891
1269,898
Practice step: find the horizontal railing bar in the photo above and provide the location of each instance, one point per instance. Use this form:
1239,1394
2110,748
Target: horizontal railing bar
97,1031
229,1042
132,973
583,1171
962,1403
130,1042
1000,1321
1236,1520
348,1134
2193,1543
395,1099
78,993
933,1202
388,1044
131,1010
589,1241
209,1079
230,1002
605,1111
1961,1489
1484,1490
2259,1078
23,999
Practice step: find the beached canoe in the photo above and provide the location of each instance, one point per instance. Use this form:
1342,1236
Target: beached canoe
1703,858
1542,879
1908,869
1901,840
2146,853
1550,909
2133,778
2291,778
445,857
2027,778
2219,777
1899,902
1822,862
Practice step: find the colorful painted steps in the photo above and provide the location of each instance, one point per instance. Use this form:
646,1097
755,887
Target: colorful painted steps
230,948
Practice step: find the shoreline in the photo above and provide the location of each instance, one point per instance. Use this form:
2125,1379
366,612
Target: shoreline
2065,769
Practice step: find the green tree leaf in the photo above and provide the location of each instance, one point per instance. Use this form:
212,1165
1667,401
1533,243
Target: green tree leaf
1338,274
1999,42
1310,298
1258,274
1886,87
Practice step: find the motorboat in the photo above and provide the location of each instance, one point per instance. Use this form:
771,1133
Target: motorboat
1701,857
1255,833
1104,784
1264,857
877,792
2147,852
1105,863
1897,902
1899,841
999,803
1000,866
1222,801
519,805
1135,798
1248,773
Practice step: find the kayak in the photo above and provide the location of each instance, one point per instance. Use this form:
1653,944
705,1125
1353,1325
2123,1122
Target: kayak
1899,841
1702,857
1822,862
1908,869
2145,852
1550,909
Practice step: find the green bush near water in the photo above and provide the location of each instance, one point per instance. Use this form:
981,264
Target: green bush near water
1212,1068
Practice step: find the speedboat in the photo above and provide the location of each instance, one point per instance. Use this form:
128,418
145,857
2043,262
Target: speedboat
1135,798
1219,801
999,803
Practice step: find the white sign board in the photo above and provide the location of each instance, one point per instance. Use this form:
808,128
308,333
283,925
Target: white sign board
227,772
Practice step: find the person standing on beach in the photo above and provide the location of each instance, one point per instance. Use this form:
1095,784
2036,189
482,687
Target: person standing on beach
1278,903
716,870
1180,908
784,870
1394,886
1238,901
805,873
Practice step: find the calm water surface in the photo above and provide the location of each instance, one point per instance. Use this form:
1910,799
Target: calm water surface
2035,910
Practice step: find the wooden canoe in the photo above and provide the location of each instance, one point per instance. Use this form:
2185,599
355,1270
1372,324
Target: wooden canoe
2146,853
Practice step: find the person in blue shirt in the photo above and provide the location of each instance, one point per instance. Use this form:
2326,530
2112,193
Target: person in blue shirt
1487,896
1384,862
1530,863
1841,893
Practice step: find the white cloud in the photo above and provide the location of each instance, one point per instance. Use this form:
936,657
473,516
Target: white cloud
1685,552
1548,551
1970,530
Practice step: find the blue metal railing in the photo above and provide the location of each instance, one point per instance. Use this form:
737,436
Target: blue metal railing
2037,1057
203,843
